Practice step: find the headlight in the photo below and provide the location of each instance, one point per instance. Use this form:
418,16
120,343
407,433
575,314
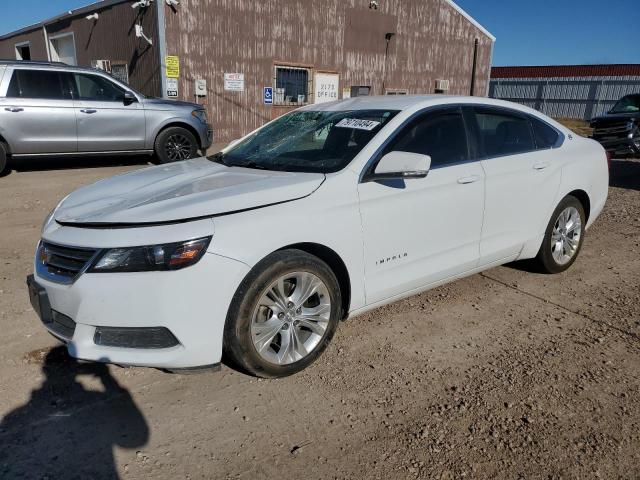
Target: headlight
200,115
169,256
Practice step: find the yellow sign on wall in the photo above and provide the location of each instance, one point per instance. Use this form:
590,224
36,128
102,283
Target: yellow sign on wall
173,66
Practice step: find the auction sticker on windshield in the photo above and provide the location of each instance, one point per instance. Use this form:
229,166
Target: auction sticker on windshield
360,124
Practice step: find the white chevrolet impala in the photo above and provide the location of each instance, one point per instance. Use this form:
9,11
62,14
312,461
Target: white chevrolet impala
259,251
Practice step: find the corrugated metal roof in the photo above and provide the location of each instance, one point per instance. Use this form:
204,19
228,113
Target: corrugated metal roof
613,70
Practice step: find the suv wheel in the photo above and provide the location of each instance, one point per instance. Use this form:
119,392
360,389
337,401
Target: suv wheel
175,144
3,157
563,237
283,315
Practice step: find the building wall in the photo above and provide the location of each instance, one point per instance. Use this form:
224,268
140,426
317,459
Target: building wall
432,41
110,37
569,91
35,39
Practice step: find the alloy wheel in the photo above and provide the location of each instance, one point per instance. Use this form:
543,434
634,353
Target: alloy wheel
565,237
290,318
178,147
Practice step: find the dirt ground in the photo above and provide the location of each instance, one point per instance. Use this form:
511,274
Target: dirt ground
507,374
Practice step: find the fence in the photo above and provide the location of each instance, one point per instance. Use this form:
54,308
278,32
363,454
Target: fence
565,97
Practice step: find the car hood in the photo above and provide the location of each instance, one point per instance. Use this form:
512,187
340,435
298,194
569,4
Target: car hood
180,192
161,103
615,117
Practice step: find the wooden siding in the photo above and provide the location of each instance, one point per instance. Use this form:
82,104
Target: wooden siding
432,41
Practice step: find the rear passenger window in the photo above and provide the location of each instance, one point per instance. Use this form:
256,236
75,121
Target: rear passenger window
442,136
36,84
545,135
503,134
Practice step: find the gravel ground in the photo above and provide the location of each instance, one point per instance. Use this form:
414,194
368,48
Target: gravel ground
506,374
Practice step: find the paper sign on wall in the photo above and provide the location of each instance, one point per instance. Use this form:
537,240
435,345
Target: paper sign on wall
172,63
234,82
325,88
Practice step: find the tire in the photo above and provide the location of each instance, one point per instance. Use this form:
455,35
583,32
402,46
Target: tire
551,258
261,339
3,157
175,144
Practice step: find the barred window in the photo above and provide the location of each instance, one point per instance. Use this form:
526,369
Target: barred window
292,85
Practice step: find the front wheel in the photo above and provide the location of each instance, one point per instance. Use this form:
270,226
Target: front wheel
283,315
175,144
563,237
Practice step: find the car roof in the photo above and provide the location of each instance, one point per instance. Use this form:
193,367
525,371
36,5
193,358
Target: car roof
406,102
418,102
45,65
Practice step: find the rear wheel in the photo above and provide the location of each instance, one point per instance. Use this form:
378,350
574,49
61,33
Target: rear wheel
175,144
3,157
563,237
283,315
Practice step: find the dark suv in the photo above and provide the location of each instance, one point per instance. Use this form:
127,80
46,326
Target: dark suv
619,130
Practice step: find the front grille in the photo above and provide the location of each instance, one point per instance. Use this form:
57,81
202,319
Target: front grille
62,264
612,129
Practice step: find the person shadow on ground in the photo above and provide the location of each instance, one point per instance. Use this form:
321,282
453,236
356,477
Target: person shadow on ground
68,431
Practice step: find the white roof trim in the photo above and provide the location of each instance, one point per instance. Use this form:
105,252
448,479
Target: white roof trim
471,19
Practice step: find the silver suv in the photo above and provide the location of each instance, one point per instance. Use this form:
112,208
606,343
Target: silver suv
55,109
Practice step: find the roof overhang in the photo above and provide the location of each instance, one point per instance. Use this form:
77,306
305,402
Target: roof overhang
471,19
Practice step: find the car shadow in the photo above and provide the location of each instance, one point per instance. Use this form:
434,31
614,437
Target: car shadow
68,431
70,163
625,174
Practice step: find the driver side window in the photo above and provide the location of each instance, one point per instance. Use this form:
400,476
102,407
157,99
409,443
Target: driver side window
441,135
96,88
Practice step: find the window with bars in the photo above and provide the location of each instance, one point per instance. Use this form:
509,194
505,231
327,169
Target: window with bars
292,85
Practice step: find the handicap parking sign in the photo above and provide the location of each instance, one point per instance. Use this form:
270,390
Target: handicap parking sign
268,95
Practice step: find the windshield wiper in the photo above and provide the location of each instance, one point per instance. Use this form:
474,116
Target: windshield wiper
218,158
252,164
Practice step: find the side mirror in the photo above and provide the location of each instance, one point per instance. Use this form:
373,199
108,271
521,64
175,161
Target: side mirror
402,165
129,98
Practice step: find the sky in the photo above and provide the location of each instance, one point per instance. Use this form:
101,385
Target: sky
529,32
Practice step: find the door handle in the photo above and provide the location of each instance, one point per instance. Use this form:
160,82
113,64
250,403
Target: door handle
470,179
88,110
541,165
14,109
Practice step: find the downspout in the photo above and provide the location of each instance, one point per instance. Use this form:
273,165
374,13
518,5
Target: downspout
162,46
46,42
493,42
473,68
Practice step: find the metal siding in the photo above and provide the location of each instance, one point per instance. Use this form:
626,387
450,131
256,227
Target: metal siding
37,45
433,41
569,97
